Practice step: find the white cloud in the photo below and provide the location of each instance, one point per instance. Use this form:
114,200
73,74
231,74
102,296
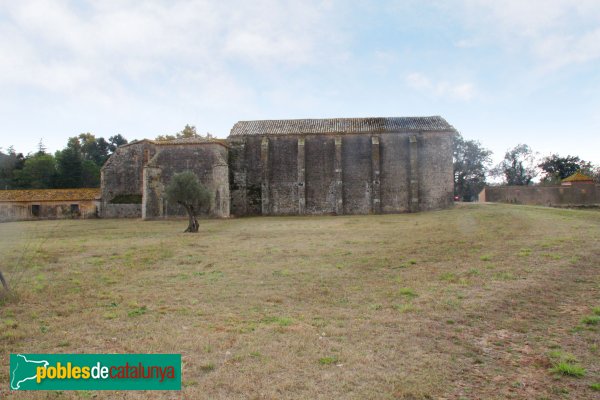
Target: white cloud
467,43
64,46
459,91
557,33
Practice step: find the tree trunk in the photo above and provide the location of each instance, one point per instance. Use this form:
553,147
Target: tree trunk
3,282
193,222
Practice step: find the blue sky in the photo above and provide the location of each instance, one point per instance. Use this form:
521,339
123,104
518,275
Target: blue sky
502,72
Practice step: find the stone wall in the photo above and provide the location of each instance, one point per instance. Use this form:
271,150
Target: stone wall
435,171
122,175
208,161
395,173
23,210
121,211
575,195
320,177
340,174
139,172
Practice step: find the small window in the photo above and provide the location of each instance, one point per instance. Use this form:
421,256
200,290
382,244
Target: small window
74,208
35,210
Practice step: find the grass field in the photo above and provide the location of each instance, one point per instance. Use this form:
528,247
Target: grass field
477,302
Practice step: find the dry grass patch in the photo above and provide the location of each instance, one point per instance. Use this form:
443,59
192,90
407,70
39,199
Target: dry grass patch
456,303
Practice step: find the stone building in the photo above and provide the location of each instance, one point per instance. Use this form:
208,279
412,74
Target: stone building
34,204
292,167
135,176
341,166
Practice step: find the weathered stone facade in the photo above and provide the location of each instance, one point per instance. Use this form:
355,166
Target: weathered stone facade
134,177
294,167
207,160
36,204
341,166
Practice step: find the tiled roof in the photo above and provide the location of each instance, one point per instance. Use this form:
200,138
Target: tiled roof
49,195
578,177
340,125
190,140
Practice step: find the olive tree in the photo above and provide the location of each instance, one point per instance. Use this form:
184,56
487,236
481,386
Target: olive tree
185,189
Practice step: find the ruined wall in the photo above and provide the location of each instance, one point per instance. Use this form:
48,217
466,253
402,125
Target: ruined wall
340,174
576,195
122,175
208,161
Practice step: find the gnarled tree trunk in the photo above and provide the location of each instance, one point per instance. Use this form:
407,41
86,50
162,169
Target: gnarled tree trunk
193,222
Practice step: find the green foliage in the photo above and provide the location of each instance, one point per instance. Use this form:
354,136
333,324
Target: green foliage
565,364
556,168
39,172
136,312
471,162
90,174
281,321
408,292
185,189
328,360
518,166
77,165
188,132
91,148
116,141
69,168
9,163
566,368
591,320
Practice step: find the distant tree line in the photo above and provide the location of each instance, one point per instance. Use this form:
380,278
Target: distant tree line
520,166
75,166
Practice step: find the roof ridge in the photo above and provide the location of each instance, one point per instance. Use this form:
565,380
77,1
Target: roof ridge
341,125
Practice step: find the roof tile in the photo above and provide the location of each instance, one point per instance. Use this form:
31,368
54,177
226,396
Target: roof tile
49,195
340,125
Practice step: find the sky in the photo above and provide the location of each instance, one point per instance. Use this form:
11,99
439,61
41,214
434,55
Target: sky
502,72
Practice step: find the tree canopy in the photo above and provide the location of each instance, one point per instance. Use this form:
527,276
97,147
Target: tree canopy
555,168
185,189
188,132
471,163
77,165
518,166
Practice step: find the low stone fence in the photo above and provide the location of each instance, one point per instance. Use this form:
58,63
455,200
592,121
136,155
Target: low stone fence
576,195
